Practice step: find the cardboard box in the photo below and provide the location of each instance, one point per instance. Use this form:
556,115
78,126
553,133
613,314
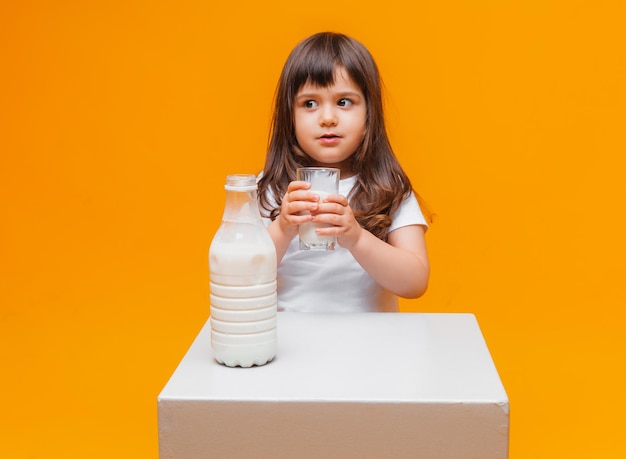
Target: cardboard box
388,385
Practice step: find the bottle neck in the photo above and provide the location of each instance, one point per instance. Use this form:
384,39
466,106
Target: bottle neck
241,205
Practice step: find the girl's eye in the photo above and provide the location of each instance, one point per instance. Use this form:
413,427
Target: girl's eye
344,102
310,104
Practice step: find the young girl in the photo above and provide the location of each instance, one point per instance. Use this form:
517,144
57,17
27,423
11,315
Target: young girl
329,113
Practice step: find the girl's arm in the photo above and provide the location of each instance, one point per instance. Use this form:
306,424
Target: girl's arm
281,237
399,265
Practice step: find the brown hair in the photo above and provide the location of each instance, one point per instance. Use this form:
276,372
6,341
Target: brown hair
381,183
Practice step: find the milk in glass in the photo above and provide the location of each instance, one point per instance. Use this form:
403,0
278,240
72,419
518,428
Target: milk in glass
307,230
324,181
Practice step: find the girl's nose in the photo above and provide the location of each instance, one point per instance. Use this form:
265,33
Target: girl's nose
328,117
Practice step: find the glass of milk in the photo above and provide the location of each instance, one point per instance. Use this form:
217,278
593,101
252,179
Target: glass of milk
324,181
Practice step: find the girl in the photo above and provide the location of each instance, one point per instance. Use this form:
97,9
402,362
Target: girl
329,113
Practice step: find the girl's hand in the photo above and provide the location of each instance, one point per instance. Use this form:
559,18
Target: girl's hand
293,210
334,210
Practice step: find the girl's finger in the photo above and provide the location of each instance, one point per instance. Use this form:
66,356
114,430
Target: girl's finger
298,185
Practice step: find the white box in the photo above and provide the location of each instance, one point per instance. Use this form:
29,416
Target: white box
388,385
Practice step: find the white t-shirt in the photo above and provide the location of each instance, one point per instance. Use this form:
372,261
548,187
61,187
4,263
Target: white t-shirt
333,281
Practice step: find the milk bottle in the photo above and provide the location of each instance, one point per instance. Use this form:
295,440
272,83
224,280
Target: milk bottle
242,265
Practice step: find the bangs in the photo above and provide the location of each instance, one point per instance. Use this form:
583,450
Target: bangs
318,60
316,67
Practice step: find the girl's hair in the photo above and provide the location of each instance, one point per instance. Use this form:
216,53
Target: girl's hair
381,183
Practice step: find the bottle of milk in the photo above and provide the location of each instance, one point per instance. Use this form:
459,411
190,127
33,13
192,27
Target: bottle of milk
242,265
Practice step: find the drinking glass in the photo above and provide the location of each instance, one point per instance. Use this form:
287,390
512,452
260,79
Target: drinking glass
324,181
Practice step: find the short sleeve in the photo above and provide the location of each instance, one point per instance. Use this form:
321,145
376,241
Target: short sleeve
409,213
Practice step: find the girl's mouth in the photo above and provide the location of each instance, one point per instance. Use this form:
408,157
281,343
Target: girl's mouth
329,139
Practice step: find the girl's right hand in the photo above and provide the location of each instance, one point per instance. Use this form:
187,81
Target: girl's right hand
296,208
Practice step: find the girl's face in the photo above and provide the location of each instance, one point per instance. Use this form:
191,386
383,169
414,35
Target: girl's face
330,122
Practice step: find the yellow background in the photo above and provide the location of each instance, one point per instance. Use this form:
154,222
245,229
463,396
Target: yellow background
119,121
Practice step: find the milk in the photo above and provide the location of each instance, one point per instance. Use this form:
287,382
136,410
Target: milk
309,239
243,291
242,265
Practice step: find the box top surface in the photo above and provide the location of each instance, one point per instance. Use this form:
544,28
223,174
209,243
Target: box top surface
367,357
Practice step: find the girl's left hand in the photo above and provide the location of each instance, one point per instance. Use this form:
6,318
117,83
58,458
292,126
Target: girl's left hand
334,210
